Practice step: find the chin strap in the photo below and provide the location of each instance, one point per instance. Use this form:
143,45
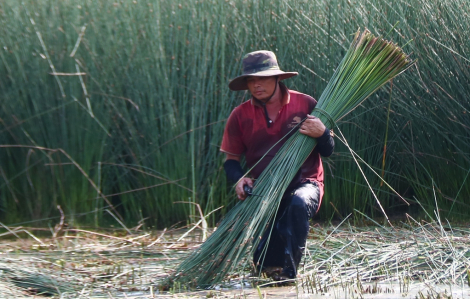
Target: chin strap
268,120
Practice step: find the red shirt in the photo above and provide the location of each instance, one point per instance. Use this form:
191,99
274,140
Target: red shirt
247,132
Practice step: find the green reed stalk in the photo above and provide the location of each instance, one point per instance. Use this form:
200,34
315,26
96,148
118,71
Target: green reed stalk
148,64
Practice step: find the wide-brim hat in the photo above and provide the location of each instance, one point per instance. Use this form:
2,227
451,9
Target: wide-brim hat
261,64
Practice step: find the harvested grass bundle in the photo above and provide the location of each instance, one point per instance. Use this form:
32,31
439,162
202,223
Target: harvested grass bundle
33,281
368,64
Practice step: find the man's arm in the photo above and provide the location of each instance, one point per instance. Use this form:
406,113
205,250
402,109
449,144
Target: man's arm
232,167
325,144
234,173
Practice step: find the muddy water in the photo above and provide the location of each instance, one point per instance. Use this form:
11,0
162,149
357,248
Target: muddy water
379,291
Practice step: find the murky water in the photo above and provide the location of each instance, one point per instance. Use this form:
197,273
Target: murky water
379,291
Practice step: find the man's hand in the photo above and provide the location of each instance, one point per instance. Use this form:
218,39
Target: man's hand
239,187
312,126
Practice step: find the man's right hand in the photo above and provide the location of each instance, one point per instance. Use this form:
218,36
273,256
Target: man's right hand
239,187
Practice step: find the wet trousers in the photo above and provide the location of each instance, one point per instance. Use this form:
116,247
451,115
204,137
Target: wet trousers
290,230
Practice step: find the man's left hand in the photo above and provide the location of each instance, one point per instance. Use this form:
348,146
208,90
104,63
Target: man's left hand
312,126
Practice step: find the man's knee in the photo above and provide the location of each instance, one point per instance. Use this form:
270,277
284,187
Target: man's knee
306,197
298,202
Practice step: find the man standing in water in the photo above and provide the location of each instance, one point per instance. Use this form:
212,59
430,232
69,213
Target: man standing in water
251,130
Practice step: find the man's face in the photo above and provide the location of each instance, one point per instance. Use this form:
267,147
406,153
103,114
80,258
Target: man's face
261,87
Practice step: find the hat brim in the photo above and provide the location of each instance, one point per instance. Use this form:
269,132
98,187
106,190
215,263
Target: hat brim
239,83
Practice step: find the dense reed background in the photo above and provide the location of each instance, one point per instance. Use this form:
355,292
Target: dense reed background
139,123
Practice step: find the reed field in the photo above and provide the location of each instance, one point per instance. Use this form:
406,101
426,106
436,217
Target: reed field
112,112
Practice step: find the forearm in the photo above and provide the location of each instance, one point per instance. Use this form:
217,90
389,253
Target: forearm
325,144
233,169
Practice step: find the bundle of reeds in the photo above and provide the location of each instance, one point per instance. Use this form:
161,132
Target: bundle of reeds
368,64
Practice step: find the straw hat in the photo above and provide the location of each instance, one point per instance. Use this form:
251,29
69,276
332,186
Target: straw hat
261,64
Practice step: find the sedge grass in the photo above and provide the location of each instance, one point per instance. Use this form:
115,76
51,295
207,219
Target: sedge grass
369,63
130,156
149,64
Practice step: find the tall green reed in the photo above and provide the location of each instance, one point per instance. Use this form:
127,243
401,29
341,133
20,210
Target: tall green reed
156,80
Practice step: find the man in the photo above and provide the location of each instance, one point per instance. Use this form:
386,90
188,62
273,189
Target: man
253,129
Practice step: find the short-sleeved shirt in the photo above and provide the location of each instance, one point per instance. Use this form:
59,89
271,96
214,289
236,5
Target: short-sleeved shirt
247,132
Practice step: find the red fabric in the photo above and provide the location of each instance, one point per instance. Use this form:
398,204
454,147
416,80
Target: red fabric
246,132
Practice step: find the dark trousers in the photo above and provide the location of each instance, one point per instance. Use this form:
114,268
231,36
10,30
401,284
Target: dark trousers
290,230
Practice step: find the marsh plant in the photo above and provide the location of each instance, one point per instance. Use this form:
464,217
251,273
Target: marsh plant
115,110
